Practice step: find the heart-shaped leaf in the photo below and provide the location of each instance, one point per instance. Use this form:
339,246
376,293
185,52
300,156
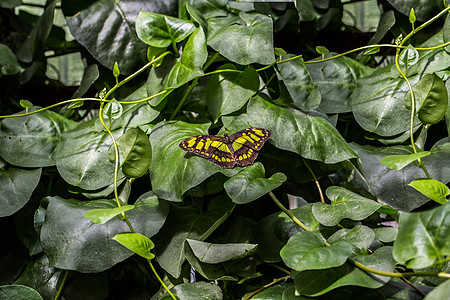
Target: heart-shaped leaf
398,162
103,215
432,188
136,242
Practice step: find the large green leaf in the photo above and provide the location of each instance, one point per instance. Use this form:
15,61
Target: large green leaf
301,87
344,204
191,62
431,99
8,61
318,282
30,141
135,153
250,40
440,292
172,170
378,105
336,80
187,223
34,45
160,30
82,157
423,9
73,242
391,186
306,251
360,237
217,253
251,183
112,37
16,187
272,232
196,291
432,188
227,92
306,11
423,237
310,135
210,8
136,242
18,292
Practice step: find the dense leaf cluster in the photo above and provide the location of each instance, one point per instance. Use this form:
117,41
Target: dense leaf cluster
347,199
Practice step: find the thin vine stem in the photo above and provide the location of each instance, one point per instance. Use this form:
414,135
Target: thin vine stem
322,199
160,280
61,286
275,281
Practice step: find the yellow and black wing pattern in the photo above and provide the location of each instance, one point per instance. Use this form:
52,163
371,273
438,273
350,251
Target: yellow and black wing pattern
240,148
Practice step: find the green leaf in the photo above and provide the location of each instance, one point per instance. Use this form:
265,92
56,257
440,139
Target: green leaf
103,215
19,292
299,83
377,103
82,157
197,16
136,242
391,186
115,29
336,80
75,104
227,92
25,104
8,61
251,184
16,187
306,251
386,234
135,153
272,232
372,50
318,282
249,40
218,253
308,134
189,66
432,188
31,140
424,10
344,204
306,11
431,61
440,292
73,242
431,99
116,70
398,162
34,45
188,223
173,171
161,30
279,51
422,237
112,110
196,291
153,53
360,237
90,75
412,16
322,50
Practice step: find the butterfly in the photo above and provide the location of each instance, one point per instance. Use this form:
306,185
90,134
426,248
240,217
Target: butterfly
239,148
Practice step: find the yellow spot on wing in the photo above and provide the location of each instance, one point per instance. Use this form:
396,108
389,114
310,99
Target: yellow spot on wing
240,157
215,144
258,132
199,145
244,156
224,148
207,144
255,137
191,142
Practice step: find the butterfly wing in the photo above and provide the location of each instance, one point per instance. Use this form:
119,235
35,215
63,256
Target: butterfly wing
246,144
214,148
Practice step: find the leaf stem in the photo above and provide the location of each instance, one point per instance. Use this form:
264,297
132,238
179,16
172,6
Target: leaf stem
286,211
160,280
315,180
61,286
275,281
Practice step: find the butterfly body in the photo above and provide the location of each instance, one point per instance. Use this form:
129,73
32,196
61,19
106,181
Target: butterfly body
240,148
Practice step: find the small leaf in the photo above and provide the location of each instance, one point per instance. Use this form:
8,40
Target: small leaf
279,51
136,242
218,253
398,162
251,183
113,110
116,71
306,251
153,53
412,16
409,56
75,104
432,188
344,204
372,50
398,40
103,215
322,50
25,104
